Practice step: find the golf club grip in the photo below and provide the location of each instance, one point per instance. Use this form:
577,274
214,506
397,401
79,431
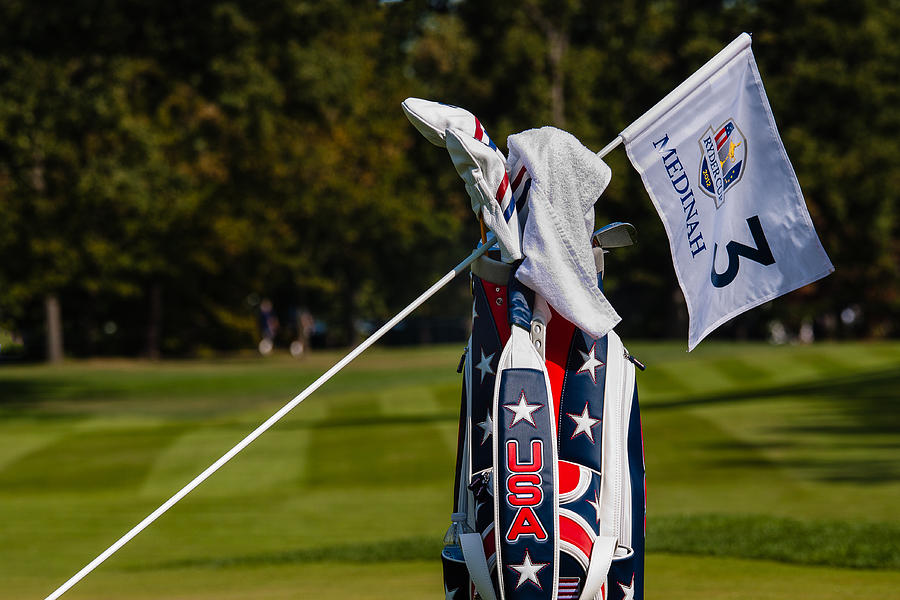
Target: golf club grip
521,299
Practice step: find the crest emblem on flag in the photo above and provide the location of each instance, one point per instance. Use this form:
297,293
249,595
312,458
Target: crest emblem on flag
724,151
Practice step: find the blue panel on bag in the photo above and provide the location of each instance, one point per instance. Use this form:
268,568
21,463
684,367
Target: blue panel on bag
486,351
525,472
571,578
581,403
621,581
484,510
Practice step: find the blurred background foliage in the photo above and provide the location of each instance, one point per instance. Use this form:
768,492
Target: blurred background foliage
164,166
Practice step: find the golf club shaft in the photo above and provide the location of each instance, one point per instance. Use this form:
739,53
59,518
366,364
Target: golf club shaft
270,421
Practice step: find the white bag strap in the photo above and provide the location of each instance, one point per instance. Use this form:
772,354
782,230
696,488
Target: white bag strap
601,559
476,563
613,439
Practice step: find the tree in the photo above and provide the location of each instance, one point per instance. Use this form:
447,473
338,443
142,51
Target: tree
163,163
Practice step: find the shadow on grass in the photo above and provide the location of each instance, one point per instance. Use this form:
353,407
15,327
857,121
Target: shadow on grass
861,471
27,397
20,391
32,395
371,420
872,389
861,407
842,544
871,399
396,550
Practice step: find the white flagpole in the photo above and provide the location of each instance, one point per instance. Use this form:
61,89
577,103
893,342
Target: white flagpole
271,420
610,146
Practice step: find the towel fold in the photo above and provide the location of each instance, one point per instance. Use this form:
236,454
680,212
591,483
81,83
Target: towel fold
566,181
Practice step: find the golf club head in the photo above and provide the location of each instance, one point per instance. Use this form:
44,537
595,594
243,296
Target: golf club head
614,235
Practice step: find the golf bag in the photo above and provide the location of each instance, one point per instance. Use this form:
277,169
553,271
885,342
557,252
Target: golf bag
549,496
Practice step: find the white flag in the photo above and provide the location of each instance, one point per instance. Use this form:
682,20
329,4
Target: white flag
713,163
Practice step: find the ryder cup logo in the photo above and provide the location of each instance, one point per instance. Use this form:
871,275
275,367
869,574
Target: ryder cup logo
724,151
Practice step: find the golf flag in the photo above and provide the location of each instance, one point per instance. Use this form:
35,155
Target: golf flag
714,165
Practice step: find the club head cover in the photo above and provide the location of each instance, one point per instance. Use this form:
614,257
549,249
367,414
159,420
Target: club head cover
478,161
484,173
432,119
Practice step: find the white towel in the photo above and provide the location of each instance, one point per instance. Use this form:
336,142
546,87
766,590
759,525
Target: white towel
566,181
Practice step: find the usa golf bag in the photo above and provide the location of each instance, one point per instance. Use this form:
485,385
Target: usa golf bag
549,489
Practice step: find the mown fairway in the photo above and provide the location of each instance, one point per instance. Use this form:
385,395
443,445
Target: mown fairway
771,471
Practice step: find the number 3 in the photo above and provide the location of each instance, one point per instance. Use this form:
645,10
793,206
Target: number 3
761,254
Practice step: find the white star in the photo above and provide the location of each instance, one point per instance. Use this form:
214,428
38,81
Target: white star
488,426
528,571
628,589
596,504
522,410
584,423
448,593
485,364
590,363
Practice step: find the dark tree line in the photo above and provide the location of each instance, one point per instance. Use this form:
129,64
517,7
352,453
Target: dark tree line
164,165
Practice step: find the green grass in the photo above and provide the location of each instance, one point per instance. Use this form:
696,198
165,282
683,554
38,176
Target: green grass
836,543
772,473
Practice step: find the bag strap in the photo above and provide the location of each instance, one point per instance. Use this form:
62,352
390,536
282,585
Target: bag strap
476,563
601,560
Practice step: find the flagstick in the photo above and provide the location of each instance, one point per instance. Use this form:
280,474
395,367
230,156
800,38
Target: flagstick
477,253
610,146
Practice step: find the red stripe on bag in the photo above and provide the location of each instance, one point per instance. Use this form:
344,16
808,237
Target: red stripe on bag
519,177
573,533
569,477
496,297
501,190
556,355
